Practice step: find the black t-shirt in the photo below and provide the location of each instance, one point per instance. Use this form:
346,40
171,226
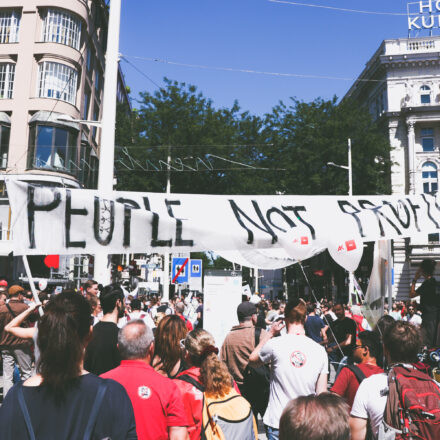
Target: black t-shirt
68,420
102,353
200,321
341,328
429,294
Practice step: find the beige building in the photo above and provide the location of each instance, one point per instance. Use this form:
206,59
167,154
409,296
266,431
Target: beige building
400,85
52,56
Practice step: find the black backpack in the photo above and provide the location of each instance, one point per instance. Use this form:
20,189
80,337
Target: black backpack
256,382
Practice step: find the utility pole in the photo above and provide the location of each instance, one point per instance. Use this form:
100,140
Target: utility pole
166,260
107,149
350,193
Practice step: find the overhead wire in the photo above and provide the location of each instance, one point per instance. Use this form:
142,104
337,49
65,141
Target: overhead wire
231,69
334,8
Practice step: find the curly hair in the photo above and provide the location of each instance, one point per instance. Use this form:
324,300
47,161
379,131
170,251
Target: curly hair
214,373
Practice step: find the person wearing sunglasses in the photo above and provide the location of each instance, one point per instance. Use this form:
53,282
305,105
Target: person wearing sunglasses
366,354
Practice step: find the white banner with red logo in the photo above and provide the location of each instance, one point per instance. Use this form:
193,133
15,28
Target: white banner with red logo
261,230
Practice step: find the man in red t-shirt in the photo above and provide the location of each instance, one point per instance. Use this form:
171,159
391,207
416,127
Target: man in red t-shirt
366,353
157,402
180,308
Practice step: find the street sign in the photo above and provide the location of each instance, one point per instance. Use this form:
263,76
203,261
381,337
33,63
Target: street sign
180,270
195,280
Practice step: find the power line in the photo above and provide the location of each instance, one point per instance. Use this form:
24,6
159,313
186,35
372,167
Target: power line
358,11
140,71
250,71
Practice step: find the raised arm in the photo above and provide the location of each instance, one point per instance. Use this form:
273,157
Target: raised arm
14,328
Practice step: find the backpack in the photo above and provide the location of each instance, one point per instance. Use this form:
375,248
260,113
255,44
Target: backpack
358,373
412,410
228,418
256,382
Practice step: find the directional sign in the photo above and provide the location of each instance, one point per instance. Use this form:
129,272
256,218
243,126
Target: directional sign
180,270
195,279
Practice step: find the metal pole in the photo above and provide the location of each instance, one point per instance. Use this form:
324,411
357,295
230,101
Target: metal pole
166,263
350,193
31,283
389,274
107,149
256,280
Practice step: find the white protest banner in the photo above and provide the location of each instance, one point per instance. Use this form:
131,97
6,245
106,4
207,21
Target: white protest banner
72,221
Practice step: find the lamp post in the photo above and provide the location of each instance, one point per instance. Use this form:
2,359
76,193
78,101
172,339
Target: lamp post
349,168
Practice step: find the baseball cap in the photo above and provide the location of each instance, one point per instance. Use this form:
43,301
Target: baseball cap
246,309
15,290
3,283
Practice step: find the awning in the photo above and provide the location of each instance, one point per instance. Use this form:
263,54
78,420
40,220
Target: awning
4,117
55,118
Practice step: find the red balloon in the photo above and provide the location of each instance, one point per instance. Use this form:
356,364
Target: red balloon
52,261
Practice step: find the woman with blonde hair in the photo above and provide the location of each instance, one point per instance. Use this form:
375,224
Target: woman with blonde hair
206,381
168,356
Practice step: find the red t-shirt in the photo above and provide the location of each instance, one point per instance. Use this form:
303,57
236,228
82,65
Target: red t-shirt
346,384
187,322
156,400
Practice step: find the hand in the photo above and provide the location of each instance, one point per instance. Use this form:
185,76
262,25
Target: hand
276,328
330,349
35,305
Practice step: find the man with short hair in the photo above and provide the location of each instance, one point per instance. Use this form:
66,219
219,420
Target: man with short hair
429,293
314,325
341,339
236,349
402,342
157,401
14,350
179,309
299,365
102,353
3,298
137,313
366,353
312,417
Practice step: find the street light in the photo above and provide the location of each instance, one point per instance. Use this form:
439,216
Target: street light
350,193
346,167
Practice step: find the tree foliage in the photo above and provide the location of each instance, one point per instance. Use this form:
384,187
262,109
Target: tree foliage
230,151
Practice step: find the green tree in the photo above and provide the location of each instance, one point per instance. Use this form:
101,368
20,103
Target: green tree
306,136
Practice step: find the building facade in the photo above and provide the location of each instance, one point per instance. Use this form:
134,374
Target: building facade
400,85
52,64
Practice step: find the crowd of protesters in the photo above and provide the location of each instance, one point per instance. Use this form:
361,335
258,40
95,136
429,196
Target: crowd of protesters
100,363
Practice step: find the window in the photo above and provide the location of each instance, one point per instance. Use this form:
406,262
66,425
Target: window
98,85
57,81
53,148
425,94
86,105
429,177
89,60
7,73
4,145
95,118
427,135
9,25
62,27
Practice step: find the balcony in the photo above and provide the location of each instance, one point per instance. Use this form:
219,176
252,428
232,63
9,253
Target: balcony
404,46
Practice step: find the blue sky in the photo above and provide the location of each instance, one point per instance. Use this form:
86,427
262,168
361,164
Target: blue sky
256,35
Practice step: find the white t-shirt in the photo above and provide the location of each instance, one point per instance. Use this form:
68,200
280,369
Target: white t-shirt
296,362
369,403
414,319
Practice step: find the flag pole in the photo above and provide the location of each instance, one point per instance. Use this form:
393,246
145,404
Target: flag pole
31,283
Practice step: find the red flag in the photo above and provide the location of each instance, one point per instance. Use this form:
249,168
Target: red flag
350,245
304,240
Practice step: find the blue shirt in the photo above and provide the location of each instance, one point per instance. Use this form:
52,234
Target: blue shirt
313,327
